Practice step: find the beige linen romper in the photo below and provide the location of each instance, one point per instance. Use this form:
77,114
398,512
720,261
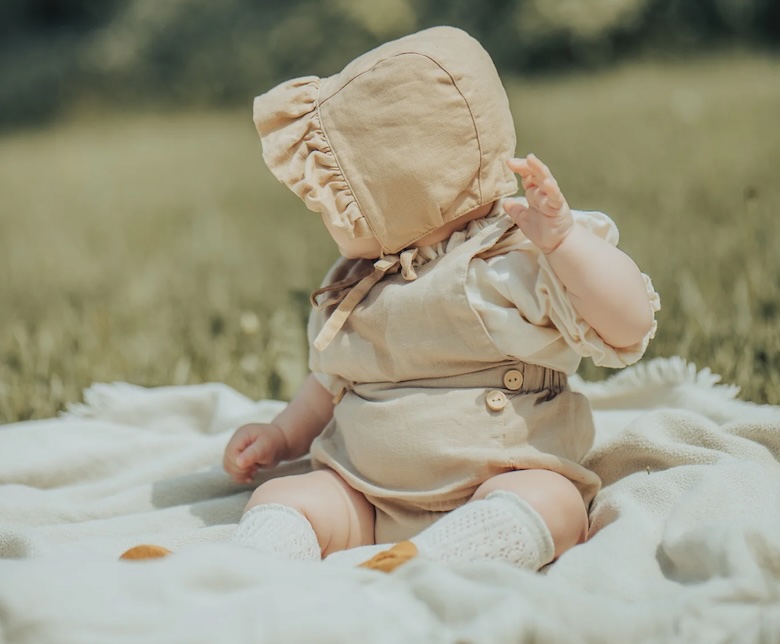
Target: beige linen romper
429,407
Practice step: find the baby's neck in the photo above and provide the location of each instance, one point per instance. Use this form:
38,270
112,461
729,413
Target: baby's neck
440,234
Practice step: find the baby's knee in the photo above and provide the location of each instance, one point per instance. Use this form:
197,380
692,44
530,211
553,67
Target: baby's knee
553,496
341,516
285,490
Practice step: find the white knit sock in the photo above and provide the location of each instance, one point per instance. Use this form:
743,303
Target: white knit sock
278,529
502,526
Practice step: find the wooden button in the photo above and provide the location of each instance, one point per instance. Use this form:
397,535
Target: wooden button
513,379
496,400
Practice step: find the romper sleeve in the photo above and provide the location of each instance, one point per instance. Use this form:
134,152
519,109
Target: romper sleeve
523,279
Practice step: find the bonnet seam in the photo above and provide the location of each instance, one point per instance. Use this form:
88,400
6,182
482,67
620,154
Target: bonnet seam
473,120
333,152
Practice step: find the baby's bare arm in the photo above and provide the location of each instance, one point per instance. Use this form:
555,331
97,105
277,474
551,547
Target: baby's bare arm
605,286
305,417
603,283
287,437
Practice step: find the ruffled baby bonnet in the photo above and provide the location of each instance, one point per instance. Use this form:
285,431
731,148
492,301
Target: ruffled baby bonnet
406,138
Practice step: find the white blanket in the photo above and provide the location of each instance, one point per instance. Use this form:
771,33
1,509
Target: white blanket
684,546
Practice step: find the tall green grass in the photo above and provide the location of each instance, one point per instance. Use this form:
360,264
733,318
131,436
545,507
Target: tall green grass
157,249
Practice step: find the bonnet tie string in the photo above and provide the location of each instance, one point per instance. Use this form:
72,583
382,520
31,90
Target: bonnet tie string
348,300
340,288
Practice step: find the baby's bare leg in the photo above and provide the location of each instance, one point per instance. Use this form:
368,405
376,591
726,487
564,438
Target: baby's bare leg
553,496
525,518
340,516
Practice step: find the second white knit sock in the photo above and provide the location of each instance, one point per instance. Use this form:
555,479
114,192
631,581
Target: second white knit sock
278,529
501,526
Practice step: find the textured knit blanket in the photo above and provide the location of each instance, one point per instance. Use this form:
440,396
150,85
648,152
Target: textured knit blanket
684,544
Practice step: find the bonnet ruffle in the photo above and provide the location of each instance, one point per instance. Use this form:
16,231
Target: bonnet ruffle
297,152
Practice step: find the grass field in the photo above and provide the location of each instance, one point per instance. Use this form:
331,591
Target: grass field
157,249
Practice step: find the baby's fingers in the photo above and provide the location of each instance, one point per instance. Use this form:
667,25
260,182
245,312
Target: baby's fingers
528,182
515,209
247,476
252,455
541,174
520,166
514,205
239,474
553,193
533,173
538,168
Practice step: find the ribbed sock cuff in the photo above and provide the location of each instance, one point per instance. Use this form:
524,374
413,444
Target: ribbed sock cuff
279,529
501,527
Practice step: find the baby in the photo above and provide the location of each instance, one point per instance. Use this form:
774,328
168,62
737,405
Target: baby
437,414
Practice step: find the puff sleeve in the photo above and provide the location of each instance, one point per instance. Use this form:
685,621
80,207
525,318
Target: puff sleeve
528,314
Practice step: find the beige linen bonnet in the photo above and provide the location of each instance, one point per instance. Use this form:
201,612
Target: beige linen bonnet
406,138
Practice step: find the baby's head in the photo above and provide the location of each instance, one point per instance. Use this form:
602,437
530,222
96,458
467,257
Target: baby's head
406,139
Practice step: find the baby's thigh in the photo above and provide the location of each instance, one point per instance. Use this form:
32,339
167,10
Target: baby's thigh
341,516
553,496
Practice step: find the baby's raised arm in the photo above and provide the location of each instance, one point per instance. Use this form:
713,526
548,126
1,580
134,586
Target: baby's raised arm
287,437
603,283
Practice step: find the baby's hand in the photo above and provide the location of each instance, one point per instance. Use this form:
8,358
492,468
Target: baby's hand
253,446
547,218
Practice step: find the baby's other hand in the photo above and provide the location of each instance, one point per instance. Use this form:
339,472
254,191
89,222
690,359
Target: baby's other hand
547,218
253,446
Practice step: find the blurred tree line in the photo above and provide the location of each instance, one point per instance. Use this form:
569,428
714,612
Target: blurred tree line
59,54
